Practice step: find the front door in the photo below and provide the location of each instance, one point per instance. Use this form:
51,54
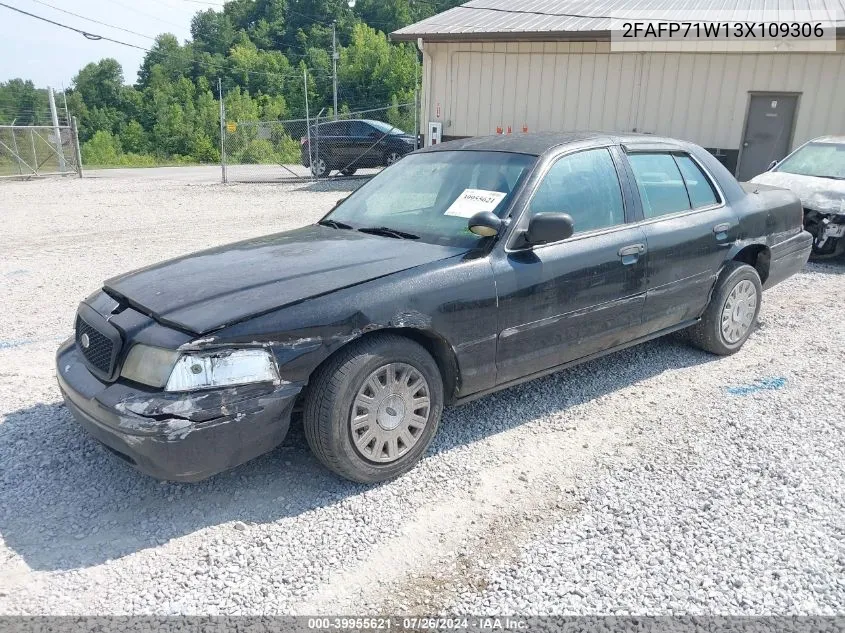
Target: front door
567,300
768,133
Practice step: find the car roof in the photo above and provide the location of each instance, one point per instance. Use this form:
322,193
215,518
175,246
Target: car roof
829,139
349,120
539,143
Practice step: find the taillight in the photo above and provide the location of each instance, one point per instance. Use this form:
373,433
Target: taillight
303,140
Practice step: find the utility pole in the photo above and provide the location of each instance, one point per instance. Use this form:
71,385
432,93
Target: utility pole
334,65
222,130
57,133
64,96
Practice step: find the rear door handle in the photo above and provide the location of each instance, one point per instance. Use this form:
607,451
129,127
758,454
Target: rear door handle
630,254
721,230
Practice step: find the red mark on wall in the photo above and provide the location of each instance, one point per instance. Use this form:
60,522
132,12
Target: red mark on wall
525,128
498,130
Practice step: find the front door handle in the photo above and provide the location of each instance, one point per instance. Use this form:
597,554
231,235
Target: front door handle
630,254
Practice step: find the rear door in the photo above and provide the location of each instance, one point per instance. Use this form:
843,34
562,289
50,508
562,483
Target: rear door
566,300
688,230
334,143
364,144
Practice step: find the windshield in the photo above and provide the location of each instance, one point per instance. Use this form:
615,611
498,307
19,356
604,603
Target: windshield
430,196
824,160
386,128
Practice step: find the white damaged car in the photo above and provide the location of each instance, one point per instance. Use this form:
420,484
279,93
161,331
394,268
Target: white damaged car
816,173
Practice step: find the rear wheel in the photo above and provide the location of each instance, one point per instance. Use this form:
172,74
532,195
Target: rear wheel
319,167
730,316
372,410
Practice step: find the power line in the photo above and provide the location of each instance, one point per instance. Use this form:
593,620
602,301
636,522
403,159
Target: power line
148,15
82,17
90,36
94,36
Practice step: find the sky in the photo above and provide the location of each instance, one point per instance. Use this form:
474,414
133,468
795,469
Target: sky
50,55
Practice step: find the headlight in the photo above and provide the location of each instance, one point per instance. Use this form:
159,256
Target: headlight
149,365
203,370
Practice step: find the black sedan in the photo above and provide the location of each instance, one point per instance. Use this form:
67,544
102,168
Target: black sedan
352,145
463,269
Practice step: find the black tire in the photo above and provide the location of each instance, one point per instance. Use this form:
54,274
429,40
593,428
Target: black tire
332,392
708,334
320,167
391,157
349,171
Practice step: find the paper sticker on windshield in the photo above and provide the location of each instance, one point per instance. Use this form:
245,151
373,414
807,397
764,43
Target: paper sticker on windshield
471,201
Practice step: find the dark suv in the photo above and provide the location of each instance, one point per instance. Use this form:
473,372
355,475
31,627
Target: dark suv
351,145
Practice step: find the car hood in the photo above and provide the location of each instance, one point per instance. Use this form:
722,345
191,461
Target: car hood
819,194
210,289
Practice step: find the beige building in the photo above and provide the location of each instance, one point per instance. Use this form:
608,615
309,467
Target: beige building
499,66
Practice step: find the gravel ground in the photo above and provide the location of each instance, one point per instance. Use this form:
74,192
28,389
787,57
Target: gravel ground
656,480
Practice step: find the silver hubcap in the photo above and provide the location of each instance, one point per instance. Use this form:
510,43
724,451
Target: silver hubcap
738,312
390,412
392,158
319,167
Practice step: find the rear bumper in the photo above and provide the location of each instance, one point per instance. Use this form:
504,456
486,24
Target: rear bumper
788,257
177,437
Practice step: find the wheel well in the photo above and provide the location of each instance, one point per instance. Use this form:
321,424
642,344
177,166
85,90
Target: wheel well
758,256
439,349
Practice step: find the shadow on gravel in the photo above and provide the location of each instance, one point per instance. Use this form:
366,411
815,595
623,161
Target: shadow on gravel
834,266
68,503
338,183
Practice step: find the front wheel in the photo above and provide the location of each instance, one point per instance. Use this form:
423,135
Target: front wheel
349,171
392,157
730,316
372,410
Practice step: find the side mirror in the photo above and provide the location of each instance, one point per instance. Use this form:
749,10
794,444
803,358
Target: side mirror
772,165
485,224
545,228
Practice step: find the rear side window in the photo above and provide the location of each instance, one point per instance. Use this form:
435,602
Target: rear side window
333,129
700,189
661,185
359,128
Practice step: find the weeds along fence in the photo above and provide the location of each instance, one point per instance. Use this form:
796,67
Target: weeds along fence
31,151
352,144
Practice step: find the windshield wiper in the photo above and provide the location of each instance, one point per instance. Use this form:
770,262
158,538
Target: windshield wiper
388,232
334,224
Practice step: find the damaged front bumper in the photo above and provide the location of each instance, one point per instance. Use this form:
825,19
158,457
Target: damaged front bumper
176,436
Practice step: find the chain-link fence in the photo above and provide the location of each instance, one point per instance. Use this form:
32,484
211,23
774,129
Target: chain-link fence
352,144
27,151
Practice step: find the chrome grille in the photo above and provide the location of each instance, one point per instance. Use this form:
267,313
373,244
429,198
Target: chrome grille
99,350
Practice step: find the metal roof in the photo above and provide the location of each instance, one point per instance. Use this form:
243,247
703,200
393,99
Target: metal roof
587,19
538,143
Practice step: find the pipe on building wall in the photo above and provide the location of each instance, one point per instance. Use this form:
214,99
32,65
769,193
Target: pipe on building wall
425,106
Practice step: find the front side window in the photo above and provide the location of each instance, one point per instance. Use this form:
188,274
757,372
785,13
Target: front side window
661,186
584,185
432,195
